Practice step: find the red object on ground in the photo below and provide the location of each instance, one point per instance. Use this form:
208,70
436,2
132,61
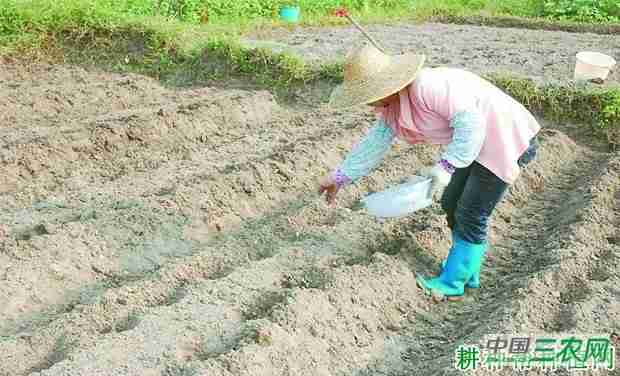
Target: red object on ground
341,12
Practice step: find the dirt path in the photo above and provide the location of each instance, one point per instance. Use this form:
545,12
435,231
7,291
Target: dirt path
543,55
157,231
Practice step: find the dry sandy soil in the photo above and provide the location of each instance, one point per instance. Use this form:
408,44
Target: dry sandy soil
542,55
153,230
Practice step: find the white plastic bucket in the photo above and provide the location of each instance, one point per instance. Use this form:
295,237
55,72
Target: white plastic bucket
591,65
400,200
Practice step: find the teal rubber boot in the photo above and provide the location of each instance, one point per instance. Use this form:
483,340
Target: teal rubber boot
463,259
474,281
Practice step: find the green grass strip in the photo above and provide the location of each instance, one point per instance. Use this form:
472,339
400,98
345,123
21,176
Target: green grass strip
507,21
171,45
597,107
19,17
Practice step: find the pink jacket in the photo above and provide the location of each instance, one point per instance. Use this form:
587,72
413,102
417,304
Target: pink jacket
438,94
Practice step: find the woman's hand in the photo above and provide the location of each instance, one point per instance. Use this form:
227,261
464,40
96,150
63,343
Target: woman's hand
328,185
440,179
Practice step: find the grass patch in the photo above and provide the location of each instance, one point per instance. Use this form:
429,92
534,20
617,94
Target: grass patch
533,23
140,36
597,107
18,16
30,23
166,54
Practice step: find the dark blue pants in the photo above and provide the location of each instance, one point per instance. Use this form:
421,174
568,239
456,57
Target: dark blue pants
471,197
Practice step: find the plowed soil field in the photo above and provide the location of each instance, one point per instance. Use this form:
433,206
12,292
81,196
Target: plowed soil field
152,230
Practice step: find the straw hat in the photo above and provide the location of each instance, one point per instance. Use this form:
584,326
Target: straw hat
371,75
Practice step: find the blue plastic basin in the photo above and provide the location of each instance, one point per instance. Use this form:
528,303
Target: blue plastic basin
290,14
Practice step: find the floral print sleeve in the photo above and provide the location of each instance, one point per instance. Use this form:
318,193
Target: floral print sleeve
366,155
467,140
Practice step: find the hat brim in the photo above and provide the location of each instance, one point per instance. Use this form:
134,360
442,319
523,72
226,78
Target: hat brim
402,71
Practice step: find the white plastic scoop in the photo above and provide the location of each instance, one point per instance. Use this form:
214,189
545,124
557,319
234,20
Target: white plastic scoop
401,200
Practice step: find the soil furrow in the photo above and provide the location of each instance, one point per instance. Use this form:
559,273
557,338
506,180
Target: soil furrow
394,354
180,233
535,273
141,245
284,323
112,145
117,304
216,262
